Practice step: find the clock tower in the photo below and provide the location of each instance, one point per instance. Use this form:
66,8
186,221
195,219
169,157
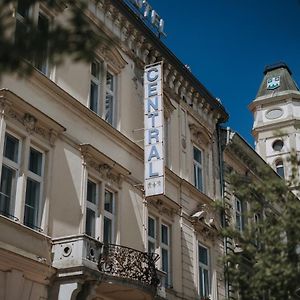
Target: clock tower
276,111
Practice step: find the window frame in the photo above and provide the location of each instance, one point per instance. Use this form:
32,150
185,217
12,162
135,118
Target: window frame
198,166
103,91
30,175
110,216
93,206
159,246
34,12
279,165
202,266
15,166
239,214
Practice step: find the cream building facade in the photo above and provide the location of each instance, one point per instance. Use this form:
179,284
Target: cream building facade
276,117
75,223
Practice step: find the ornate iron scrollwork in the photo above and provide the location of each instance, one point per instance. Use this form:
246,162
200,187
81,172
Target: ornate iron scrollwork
128,263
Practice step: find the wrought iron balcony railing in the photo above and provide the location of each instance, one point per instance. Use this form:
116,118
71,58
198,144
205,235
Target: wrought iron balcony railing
116,262
129,264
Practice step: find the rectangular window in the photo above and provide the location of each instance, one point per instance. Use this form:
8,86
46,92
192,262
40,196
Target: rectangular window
198,168
95,87
26,11
10,169
109,217
151,235
239,222
102,81
41,60
204,272
165,251
109,98
34,189
91,208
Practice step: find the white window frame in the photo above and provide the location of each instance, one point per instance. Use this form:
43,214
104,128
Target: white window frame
103,91
239,214
111,93
201,268
159,245
40,179
15,166
198,166
166,247
96,80
94,207
279,164
34,12
110,215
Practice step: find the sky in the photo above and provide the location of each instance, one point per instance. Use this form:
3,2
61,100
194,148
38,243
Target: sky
228,43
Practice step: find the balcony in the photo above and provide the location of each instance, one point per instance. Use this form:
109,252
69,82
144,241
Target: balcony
116,272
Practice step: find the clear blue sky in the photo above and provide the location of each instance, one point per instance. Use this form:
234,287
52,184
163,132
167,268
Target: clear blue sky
227,44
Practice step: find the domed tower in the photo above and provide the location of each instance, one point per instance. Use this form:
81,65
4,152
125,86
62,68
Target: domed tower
276,111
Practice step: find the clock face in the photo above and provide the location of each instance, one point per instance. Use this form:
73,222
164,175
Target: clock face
274,113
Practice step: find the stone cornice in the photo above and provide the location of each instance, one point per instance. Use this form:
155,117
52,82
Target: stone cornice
144,47
108,169
33,120
72,104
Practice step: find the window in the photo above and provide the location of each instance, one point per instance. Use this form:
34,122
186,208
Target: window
204,272
160,244
109,217
9,174
165,251
42,23
34,178
278,145
109,98
91,208
239,221
151,235
34,187
198,168
99,83
280,168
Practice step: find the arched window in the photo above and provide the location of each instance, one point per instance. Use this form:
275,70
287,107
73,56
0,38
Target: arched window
280,168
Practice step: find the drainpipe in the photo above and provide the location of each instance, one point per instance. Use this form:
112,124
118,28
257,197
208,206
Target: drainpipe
221,168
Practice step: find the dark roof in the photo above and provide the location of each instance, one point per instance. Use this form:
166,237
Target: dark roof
283,73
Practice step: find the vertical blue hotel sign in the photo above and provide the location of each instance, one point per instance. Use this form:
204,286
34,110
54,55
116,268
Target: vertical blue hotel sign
154,123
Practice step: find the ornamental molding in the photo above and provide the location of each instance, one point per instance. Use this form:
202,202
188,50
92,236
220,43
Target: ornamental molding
32,120
112,57
108,170
205,221
164,206
200,134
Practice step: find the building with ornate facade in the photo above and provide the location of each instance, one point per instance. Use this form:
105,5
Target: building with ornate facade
75,222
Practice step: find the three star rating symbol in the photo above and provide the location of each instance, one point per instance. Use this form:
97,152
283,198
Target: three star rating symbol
154,184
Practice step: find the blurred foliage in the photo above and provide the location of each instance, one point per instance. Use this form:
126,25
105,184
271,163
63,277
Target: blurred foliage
72,36
264,263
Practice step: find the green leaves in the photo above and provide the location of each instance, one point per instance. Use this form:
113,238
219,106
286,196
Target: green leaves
266,265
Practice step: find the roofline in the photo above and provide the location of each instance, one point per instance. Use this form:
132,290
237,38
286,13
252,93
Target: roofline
126,10
275,66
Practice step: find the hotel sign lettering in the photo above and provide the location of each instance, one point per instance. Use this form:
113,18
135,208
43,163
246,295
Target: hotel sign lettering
154,123
149,14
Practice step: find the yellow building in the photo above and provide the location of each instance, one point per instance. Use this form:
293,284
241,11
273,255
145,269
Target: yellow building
75,222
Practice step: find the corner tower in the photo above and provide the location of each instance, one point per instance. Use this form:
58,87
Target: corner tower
276,111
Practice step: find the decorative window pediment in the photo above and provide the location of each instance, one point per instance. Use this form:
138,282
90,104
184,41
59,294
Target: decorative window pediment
199,134
108,169
33,120
113,57
164,205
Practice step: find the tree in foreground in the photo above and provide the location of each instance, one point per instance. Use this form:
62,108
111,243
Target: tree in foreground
264,263
23,36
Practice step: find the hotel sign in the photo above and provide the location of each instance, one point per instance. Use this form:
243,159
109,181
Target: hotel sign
148,14
154,125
